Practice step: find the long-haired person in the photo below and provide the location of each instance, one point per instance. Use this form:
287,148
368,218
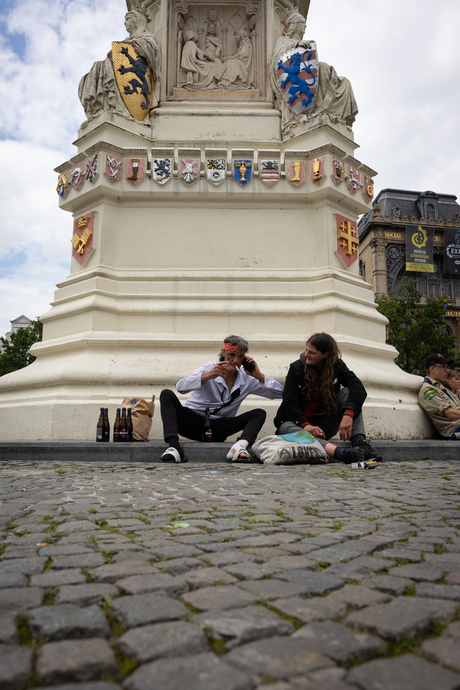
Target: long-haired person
217,390
322,396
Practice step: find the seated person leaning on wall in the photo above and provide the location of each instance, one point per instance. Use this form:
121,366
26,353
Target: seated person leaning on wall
453,379
437,399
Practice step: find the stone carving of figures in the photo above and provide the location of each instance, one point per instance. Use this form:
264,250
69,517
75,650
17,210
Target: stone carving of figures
98,90
202,68
238,69
213,44
335,96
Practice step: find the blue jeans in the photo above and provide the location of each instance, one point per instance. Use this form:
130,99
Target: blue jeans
328,423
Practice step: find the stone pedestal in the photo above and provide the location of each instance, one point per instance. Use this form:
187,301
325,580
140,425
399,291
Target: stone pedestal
176,267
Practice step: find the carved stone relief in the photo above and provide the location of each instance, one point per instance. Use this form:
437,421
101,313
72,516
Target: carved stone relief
216,50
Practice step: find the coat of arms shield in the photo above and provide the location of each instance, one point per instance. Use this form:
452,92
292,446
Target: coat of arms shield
189,170
242,172
297,76
135,170
161,170
296,172
91,167
82,239
338,170
368,189
113,168
270,172
134,79
63,186
215,170
353,179
76,177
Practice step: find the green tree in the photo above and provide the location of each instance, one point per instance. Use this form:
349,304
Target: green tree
15,352
415,330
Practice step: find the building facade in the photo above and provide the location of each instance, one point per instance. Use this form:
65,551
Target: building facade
20,322
383,263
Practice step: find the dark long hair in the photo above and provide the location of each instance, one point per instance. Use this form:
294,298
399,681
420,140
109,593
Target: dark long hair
323,380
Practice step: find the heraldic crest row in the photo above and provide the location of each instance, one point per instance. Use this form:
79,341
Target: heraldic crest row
216,166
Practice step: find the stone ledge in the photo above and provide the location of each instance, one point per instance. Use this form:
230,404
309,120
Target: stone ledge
89,451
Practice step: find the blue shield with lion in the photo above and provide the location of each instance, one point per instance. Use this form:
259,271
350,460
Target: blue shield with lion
297,74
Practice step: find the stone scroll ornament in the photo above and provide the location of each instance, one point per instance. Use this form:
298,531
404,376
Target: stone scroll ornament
82,239
297,77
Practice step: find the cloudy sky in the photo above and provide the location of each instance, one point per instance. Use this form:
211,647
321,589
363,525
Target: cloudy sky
402,57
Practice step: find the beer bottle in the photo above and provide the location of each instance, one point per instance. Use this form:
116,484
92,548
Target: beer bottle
100,425
123,426
129,422
116,427
207,431
106,427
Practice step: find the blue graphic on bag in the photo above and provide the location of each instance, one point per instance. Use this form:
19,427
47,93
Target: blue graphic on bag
299,437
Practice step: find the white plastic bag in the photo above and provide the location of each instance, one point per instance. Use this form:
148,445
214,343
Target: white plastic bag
290,449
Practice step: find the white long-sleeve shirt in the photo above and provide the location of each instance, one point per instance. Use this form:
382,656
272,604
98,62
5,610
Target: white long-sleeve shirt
215,393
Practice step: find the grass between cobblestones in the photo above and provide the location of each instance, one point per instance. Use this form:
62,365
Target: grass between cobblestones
423,507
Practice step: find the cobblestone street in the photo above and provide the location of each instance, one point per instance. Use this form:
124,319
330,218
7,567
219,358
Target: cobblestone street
217,577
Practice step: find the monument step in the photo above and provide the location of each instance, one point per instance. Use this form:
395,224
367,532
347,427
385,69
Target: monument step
88,451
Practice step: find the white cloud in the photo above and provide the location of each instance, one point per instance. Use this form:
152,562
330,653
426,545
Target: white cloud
402,58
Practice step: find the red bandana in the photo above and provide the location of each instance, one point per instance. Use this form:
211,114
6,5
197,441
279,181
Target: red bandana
232,348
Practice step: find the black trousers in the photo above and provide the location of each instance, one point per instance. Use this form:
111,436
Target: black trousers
184,421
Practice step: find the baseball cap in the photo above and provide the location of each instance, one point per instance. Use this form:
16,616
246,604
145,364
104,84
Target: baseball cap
437,359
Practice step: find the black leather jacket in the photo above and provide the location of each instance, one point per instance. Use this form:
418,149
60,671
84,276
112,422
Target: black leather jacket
294,398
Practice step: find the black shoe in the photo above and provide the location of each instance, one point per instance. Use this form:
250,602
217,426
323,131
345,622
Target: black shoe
356,454
370,453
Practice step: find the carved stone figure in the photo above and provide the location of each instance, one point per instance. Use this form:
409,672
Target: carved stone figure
238,69
213,44
335,99
202,68
98,90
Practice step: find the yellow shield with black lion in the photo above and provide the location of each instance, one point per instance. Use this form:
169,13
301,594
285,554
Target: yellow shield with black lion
134,79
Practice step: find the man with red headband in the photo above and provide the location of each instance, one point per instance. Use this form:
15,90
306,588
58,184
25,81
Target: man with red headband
218,389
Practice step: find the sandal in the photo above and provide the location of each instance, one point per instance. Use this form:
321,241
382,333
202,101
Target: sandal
240,455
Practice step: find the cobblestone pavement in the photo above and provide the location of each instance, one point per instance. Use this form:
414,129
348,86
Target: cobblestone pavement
151,577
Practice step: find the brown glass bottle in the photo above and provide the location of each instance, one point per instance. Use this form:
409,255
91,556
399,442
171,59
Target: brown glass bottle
116,427
129,422
106,427
123,426
100,426
207,431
